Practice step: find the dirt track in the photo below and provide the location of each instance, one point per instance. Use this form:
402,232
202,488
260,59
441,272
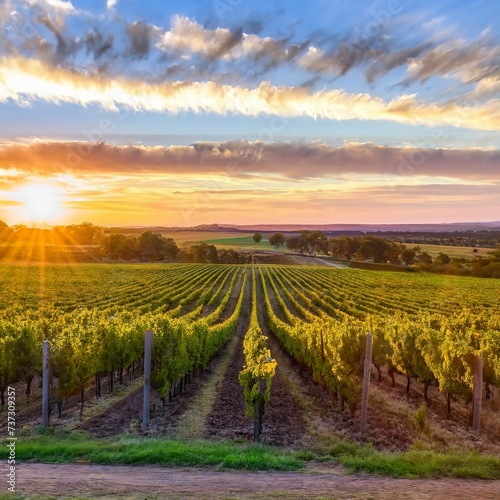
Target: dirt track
104,481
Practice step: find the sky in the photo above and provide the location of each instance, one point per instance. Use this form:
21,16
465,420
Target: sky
128,112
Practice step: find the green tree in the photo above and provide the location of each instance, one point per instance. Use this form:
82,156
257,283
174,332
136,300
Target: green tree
277,240
114,245
157,247
313,242
344,247
257,237
408,256
423,258
494,255
204,253
294,243
442,259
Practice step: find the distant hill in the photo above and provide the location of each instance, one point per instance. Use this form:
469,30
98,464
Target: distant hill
445,227
326,228
174,229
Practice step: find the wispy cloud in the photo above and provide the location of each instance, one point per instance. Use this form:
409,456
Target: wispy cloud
189,50
186,36
22,79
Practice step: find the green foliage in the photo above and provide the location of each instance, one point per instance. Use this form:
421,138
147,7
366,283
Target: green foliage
421,418
277,240
95,317
259,365
257,237
311,242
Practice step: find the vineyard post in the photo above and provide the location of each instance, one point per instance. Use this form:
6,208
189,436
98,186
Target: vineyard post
366,382
148,343
477,392
258,411
45,383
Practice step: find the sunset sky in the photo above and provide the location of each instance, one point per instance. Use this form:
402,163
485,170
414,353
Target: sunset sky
128,112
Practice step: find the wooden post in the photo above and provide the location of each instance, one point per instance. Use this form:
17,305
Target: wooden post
148,343
257,424
259,411
45,383
366,381
477,392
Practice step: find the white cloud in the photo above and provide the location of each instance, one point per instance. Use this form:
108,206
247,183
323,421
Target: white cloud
57,5
22,78
186,35
111,3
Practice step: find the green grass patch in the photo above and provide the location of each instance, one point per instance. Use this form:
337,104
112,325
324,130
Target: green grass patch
78,447
414,463
425,464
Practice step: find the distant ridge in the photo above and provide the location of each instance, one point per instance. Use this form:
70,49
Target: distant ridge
442,227
453,226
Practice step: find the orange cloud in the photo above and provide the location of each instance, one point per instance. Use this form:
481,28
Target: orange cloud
243,159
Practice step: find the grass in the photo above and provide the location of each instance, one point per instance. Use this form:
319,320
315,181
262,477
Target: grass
223,239
452,251
78,447
239,241
418,464
411,464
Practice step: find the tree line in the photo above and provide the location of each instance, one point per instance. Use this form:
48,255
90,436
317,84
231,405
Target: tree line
87,242
154,247
382,250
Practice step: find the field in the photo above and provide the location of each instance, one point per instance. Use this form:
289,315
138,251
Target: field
237,242
230,240
219,329
454,252
185,238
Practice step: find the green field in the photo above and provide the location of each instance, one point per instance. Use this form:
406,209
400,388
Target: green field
220,239
118,285
243,242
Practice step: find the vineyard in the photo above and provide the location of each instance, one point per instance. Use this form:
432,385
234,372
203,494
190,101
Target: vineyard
292,340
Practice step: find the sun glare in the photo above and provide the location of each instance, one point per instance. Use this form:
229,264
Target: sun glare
40,203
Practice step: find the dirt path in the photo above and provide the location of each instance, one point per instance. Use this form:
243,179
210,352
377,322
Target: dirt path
319,419
227,418
284,423
316,261
105,481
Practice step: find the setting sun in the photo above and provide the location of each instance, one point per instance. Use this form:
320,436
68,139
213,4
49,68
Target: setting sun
40,203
